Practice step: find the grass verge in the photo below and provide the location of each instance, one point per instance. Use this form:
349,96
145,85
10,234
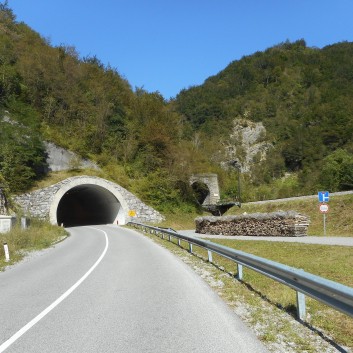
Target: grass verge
38,236
269,307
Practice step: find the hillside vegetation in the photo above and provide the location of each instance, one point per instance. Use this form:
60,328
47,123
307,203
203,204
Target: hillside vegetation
152,146
49,93
302,95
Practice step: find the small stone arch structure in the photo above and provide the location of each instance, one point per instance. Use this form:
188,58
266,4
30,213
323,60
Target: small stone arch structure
211,181
84,200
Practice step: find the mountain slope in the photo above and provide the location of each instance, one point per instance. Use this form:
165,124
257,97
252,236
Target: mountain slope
302,95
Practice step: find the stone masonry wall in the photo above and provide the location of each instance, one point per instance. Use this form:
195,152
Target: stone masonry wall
287,224
37,203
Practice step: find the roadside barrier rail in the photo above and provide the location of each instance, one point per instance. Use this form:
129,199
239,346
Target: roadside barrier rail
326,291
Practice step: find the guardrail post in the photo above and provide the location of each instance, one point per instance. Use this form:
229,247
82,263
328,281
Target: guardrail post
209,255
169,237
190,248
178,242
301,307
239,274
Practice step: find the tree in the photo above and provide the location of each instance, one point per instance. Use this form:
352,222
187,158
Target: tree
337,171
22,153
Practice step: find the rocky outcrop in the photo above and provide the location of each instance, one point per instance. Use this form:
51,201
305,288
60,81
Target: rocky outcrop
59,158
247,144
285,224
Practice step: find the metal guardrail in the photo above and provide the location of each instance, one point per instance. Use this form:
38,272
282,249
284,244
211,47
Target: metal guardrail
326,291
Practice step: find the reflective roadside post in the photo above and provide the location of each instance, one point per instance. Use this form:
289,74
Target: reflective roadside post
7,254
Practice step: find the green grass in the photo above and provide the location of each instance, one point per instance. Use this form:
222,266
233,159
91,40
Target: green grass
56,177
179,221
38,236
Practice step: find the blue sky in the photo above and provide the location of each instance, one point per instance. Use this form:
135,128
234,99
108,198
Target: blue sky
168,45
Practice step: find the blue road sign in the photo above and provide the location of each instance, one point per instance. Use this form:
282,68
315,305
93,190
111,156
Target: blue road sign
323,196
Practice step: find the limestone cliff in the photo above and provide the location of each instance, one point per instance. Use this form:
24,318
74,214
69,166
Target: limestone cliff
247,144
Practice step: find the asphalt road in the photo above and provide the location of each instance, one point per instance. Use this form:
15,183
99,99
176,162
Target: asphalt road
321,240
110,289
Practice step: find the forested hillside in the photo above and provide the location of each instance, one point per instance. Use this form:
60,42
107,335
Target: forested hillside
49,93
303,97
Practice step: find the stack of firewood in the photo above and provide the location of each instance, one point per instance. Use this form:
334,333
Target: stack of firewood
288,224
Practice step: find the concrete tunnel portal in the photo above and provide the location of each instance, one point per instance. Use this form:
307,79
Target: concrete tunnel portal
87,205
86,200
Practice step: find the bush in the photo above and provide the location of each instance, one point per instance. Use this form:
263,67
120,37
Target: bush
163,192
337,171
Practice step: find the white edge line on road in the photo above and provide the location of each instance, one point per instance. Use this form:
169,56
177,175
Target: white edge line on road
40,316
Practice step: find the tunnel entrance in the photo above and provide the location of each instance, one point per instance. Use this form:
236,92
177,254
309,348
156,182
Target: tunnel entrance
201,192
87,204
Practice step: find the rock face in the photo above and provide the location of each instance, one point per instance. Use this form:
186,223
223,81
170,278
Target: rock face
247,143
59,158
285,224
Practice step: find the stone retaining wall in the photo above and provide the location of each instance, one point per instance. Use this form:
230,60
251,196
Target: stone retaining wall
287,224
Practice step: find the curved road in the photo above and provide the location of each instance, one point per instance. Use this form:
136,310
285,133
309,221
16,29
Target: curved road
110,289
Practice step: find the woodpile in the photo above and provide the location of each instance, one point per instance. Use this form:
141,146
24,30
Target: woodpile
275,224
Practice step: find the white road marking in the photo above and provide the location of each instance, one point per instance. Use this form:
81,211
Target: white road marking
40,316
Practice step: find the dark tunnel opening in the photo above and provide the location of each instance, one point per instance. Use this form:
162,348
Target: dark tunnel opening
87,205
201,192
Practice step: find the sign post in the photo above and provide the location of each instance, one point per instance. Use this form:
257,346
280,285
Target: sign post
323,198
324,209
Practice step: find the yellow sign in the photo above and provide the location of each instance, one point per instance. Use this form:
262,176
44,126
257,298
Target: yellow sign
132,213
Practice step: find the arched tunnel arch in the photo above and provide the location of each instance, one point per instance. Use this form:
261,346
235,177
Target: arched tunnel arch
79,203
206,189
86,200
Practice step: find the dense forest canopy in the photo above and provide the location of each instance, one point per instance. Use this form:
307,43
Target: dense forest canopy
303,97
